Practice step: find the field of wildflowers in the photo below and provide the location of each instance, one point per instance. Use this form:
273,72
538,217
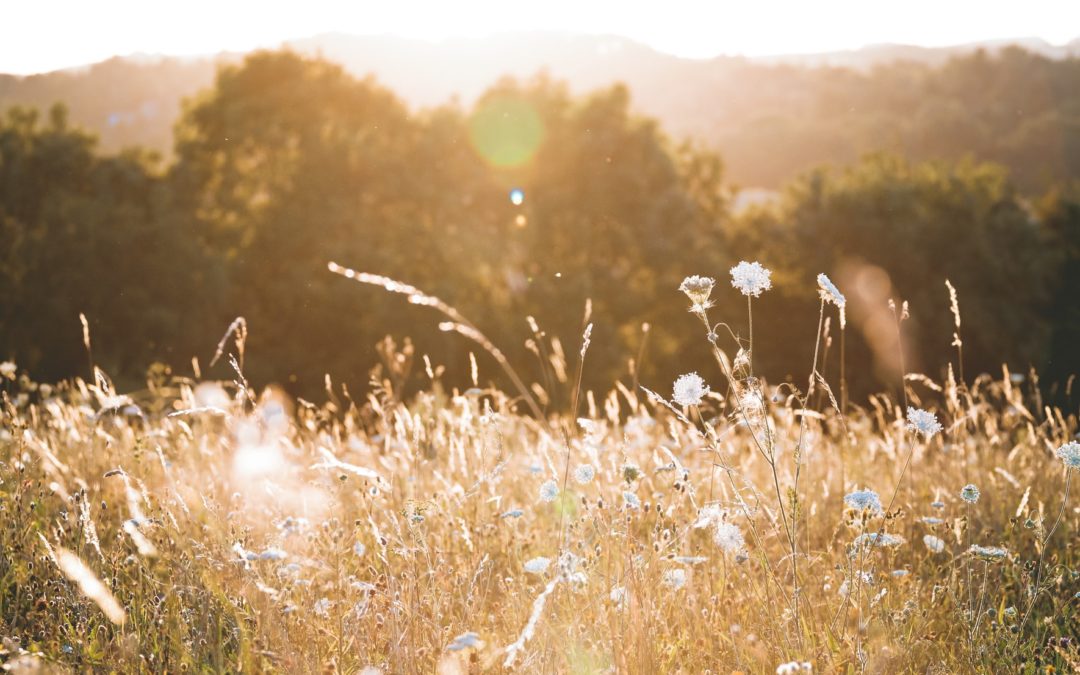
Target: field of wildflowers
718,524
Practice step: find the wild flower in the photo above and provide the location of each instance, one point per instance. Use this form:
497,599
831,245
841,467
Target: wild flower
750,278
729,537
617,595
1070,454
537,565
988,553
931,520
690,389
923,422
698,289
708,515
631,500
359,549
864,500
584,474
829,292
969,493
934,544
512,513
322,607
549,491
630,472
675,578
882,539
794,668
464,641
937,505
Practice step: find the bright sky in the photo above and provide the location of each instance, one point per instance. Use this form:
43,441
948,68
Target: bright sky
42,35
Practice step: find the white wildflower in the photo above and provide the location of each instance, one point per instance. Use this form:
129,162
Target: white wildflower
675,578
969,493
729,537
935,544
464,641
923,422
751,278
698,289
988,553
690,389
631,500
584,474
1070,454
549,491
537,565
864,500
829,292
794,667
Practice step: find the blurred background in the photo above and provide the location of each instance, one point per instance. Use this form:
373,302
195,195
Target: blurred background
165,168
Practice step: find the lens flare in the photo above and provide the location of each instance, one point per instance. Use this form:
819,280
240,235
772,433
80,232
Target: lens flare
506,131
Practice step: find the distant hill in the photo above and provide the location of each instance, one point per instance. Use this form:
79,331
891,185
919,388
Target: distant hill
1012,101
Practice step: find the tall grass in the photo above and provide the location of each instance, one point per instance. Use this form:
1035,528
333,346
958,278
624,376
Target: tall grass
200,526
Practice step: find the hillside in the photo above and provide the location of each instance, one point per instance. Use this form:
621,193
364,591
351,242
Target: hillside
769,118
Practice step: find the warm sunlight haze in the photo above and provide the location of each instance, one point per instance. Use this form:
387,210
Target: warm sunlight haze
33,40
584,338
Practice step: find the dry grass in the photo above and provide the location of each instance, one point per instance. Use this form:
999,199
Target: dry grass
213,530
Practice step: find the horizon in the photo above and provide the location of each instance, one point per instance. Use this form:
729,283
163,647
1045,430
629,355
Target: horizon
35,46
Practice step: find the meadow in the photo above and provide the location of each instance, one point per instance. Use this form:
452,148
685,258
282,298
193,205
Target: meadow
718,524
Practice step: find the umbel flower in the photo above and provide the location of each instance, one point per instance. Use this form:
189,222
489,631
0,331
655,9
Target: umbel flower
751,278
698,289
1070,454
729,537
864,500
690,389
935,544
969,493
829,292
988,553
923,422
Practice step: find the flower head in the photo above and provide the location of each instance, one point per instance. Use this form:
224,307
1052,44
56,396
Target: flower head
584,474
690,389
829,292
675,578
988,553
631,500
794,668
877,539
923,422
969,493
729,537
935,544
464,641
698,289
751,278
864,500
549,491
537,565
1070,454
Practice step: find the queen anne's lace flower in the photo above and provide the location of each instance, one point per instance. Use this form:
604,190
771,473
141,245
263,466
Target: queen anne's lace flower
549,491
969,493
1070,454
864,500
698,289
751,278
584,474
923,422
988,553
690,389
829,292
935,544
729,537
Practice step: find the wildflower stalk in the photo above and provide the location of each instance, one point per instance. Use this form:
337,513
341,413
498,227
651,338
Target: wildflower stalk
1042,553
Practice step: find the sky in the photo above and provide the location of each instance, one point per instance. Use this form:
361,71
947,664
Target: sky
43,35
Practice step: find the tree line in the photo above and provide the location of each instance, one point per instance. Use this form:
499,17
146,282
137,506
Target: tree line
527,203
